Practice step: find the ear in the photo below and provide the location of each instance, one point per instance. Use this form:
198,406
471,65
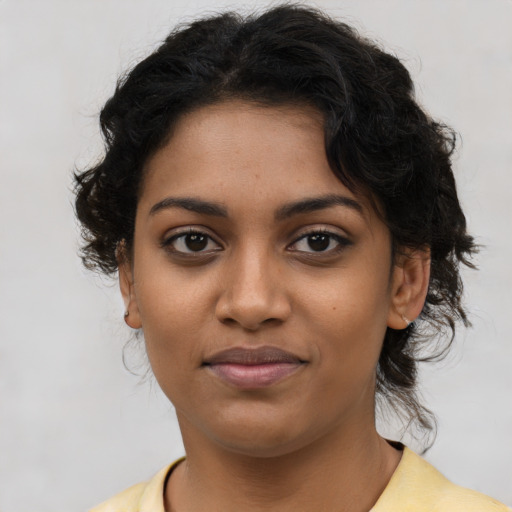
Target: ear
410,281
126,284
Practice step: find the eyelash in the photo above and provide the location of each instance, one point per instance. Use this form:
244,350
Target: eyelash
341,242
168,243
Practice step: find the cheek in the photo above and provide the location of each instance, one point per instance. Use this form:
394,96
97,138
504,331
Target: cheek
350,300
168,298
177,312
171,322
348,315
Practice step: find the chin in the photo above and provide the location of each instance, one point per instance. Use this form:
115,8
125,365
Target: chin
264,436
262,448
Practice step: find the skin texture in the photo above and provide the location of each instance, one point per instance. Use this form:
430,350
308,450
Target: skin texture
258,280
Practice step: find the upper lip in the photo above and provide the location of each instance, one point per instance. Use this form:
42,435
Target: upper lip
253,356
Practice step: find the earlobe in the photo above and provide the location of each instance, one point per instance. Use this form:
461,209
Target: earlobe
410,281
126,284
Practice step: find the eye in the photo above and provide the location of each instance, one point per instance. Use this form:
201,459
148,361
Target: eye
320,242
191,242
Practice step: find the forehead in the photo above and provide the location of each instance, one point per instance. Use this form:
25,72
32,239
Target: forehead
246,154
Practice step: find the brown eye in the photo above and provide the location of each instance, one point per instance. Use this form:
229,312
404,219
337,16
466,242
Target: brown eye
191,242
196,241
319,241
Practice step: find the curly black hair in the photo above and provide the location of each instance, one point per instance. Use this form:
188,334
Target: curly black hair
378,140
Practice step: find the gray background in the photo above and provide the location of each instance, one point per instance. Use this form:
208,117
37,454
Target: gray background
75,426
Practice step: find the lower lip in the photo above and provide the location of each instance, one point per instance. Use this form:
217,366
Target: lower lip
253,376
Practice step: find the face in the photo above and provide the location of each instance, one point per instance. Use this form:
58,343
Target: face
262,284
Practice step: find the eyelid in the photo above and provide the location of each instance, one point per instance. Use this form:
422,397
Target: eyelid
323,229
342,239
177,233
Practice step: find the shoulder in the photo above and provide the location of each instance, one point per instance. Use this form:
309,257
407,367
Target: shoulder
126,501
144,496
417,486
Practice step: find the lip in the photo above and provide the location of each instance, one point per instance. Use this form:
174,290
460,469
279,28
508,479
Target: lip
253,368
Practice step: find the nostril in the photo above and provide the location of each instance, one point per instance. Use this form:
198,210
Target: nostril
251,327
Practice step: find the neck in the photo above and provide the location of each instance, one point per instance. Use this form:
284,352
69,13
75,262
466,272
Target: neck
338,472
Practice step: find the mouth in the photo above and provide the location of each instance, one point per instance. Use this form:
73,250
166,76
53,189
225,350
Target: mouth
253,368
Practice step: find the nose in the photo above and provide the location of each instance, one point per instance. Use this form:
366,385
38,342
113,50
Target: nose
253,292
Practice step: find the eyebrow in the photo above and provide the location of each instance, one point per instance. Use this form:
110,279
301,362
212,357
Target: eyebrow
312,204
191,204
307,205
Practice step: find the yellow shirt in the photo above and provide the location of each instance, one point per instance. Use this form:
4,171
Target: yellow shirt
415,486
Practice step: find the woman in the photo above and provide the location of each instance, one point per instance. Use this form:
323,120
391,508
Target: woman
285,224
